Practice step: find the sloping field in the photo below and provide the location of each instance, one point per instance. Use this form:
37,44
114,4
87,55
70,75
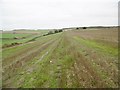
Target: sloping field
70,59
20,36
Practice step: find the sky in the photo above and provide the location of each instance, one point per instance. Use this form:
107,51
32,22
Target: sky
50,14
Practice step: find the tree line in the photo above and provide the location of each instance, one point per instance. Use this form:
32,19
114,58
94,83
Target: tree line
53,32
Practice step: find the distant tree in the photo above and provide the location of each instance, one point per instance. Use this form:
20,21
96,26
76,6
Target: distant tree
84,28
56,31
60,30
77,28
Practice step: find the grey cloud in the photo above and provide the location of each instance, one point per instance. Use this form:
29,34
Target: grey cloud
57,13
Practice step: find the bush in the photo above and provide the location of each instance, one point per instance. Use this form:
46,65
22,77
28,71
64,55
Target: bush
77,28
51,32
61,30
84,28
56,31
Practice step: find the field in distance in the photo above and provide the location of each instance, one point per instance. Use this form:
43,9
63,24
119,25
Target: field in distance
74,58
16,37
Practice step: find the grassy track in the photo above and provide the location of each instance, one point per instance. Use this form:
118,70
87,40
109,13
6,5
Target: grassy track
64,60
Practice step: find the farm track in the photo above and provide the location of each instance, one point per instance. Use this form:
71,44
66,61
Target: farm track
61,61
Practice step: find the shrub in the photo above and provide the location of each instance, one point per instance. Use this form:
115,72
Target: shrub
77,28
60,30
84,28
56,31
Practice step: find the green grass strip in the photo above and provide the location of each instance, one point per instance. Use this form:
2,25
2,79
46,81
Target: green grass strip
98,46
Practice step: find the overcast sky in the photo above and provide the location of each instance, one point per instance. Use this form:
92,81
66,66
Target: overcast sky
43,14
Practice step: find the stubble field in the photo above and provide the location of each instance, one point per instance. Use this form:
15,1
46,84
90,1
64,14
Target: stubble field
70,59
